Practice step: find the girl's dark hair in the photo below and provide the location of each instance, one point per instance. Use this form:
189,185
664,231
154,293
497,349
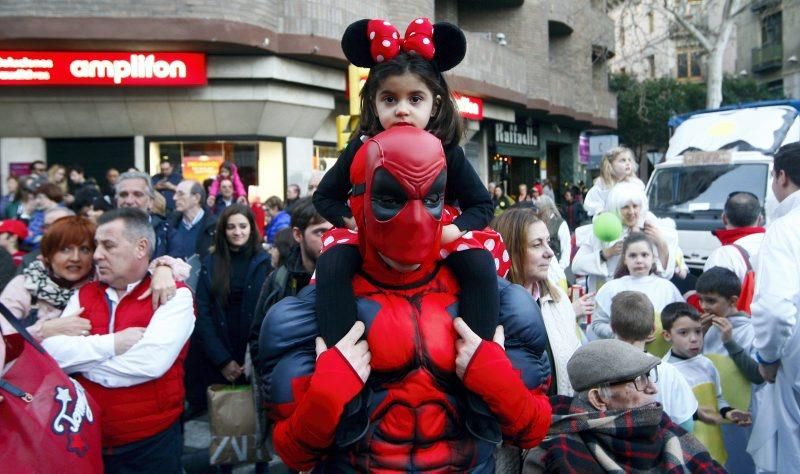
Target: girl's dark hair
226,165
446,124
632,238
220,281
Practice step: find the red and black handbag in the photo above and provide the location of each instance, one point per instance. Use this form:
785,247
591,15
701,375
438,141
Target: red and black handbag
48,423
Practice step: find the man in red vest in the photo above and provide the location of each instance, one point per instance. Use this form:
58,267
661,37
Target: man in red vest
132,360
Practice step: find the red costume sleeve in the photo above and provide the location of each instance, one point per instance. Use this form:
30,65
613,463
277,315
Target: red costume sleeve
303,432
524,415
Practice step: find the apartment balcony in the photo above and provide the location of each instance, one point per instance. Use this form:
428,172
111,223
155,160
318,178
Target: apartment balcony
767,58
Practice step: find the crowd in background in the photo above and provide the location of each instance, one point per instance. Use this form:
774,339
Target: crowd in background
244,256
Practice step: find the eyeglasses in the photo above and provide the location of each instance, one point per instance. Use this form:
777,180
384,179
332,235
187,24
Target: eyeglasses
643,381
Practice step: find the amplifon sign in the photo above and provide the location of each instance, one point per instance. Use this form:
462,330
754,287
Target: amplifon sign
117,69
469,107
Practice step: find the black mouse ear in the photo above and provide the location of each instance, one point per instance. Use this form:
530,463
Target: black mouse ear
355,44
450,43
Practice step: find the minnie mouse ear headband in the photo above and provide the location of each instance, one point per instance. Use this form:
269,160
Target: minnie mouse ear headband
367,43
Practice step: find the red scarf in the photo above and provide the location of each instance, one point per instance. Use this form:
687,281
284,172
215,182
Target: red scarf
729,236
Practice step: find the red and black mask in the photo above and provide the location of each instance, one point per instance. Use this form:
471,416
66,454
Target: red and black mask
402,212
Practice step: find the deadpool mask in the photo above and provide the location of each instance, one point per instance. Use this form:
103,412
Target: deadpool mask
405,175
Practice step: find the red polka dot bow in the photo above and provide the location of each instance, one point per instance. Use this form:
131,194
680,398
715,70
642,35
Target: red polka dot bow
386,44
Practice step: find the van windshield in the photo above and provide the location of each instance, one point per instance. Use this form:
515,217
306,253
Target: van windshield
692,189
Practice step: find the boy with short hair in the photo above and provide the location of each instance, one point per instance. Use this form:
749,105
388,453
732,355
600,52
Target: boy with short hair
731,331
682,328
728,343
633,321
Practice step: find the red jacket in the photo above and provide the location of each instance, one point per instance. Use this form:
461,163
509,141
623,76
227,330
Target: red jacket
138,412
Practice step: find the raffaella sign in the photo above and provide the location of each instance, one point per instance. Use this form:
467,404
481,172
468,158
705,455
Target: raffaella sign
92,68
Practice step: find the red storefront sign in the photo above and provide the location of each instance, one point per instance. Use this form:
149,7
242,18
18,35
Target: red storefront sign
469,107
92,68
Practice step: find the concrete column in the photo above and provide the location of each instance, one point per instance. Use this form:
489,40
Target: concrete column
139,153
19,150
299,159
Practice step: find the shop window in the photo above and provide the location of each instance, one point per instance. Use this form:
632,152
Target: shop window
259,163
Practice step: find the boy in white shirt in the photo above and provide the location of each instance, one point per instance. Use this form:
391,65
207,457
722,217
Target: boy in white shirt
682,328
633,321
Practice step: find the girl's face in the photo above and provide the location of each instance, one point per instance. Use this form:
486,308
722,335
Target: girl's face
225,172
537,253
12,185
622,166
639,259
237,231
630,214
58,176
405,100
73,263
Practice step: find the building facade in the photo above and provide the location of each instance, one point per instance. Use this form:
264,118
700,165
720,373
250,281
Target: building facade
769,47
275,79
652,44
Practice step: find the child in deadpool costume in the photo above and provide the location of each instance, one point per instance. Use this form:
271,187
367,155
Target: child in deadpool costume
414,413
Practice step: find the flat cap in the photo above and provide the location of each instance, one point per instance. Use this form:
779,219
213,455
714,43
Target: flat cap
607,361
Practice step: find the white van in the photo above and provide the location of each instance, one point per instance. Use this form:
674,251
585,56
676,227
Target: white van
712,154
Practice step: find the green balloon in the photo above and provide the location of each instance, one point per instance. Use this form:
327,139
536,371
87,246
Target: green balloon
607,227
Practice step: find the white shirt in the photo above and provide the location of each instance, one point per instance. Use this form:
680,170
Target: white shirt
93,356
659,291
697,371
675,394
194,222
729,256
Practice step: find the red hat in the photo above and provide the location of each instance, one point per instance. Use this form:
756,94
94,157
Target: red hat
13,226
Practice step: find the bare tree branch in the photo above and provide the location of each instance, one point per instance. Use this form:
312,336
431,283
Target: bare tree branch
704,41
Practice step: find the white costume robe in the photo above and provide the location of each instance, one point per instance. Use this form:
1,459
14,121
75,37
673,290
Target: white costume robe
775,442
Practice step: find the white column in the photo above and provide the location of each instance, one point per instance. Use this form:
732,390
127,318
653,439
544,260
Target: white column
139,153
299,160
20,150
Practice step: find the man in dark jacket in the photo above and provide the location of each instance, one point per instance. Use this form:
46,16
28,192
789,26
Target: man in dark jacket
190,230
291,277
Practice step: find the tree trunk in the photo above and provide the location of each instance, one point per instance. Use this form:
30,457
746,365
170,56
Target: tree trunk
714,65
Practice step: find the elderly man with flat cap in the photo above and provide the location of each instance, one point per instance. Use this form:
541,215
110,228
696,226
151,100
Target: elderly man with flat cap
613,422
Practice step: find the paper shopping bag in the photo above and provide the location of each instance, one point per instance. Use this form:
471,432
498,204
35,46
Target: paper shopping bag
234,434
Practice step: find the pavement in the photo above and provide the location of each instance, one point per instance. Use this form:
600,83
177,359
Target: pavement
196,440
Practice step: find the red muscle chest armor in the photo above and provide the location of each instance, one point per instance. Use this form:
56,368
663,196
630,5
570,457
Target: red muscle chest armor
416,424
138,412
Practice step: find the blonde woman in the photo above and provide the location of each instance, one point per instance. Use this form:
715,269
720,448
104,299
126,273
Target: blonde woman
526,238
57,174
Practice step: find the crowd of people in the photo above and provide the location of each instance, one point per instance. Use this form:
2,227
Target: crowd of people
401,316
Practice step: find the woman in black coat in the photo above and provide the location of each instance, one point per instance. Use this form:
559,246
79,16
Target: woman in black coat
227,292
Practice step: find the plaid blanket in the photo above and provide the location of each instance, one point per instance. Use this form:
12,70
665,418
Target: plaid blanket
583,440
